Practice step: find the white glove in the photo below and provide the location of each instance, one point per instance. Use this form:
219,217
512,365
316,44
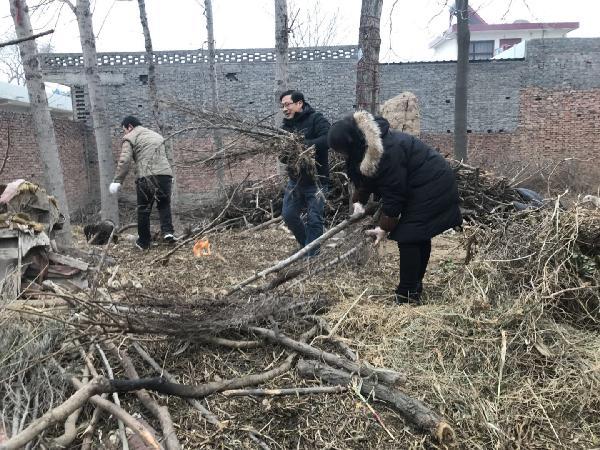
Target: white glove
378,234
358,209
114,188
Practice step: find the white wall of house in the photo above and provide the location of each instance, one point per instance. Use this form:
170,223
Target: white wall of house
446,51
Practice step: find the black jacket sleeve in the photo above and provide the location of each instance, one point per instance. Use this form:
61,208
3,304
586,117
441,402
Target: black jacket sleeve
318,136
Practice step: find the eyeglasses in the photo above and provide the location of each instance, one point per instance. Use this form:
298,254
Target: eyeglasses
287,105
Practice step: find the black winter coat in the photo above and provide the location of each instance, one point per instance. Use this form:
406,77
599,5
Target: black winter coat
314,127
414,181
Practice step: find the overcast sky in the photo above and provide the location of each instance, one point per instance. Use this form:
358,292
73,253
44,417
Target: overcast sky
180,24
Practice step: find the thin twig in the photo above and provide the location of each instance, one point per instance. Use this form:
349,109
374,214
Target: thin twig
284,392
341,319
115,396
28,38
296,256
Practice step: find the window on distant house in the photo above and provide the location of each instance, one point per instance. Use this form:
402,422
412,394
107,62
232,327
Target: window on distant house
481,50
505,44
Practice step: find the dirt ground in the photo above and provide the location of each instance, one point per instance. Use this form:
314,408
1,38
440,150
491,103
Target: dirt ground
311,422
450,347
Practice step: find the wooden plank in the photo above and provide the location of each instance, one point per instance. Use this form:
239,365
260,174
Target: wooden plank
8,233
37,240
68,261
9,253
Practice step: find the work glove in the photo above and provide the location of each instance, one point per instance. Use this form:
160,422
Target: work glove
358,209
378,234
114,188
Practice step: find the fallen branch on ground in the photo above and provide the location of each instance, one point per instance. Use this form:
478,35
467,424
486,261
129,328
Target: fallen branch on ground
118,412
288,391
163,386
60,413
296,256
210,417
381,375
263,225
413,410
116,399
161,413
346,351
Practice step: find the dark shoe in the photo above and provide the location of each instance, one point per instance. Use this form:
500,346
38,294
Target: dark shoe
407,297
139,246
170,238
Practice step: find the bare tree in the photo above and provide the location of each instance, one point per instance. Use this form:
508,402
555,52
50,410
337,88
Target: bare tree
310,26
462,70
157,113
10,59
281,51
369,41
10,65
106,164
151,67
214,89
42,121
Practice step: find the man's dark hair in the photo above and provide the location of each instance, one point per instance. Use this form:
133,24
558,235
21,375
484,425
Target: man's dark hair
130,120
296,95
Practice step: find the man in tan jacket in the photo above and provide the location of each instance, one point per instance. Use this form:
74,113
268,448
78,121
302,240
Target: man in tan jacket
154,177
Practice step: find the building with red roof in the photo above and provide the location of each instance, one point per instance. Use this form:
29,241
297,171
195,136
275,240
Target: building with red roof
491,39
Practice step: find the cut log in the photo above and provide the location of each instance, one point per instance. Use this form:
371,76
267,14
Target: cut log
413,410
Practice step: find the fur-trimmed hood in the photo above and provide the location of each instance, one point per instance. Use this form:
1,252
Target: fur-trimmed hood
372,129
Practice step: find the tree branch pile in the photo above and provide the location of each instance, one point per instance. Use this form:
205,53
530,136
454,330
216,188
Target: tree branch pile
505,346
483,194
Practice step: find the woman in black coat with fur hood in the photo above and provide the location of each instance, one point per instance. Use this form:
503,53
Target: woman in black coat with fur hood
417,187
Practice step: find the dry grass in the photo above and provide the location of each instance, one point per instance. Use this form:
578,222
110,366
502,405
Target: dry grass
507,347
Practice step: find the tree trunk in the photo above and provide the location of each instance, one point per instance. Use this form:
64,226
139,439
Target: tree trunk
281,54
42,121
369,41
151,67
106,165
462,70
214,91
156,111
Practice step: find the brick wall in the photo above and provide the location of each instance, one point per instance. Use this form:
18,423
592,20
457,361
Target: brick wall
523,114
537,118
556,142
74,144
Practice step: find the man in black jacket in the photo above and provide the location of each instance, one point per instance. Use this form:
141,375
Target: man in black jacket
306,191
417,186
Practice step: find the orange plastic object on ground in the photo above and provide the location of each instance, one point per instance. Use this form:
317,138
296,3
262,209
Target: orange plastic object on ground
202,248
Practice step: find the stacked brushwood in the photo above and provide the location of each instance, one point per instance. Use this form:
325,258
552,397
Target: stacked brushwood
484,197
250,314
482,193
244,323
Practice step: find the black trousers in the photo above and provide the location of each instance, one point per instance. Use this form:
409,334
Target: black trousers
150,189
414,258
